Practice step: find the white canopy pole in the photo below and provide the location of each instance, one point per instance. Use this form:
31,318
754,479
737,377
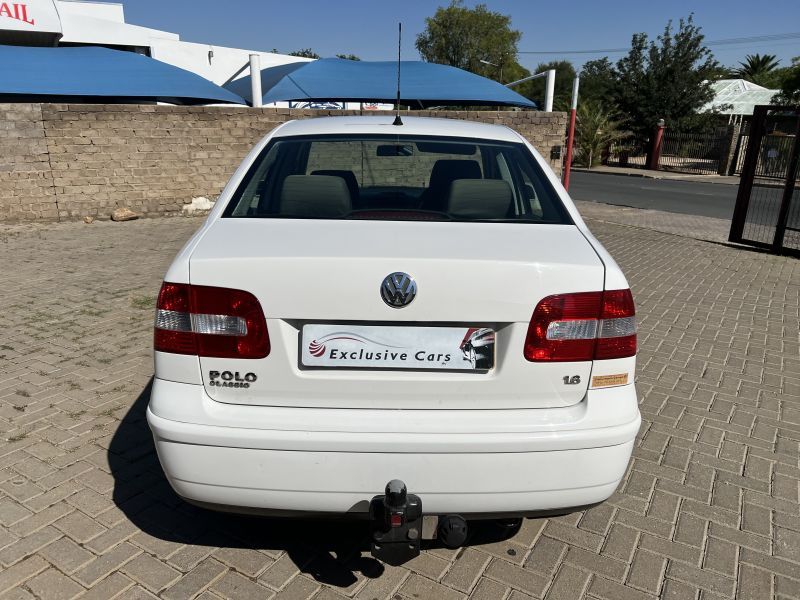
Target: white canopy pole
549,86
550,90
255,79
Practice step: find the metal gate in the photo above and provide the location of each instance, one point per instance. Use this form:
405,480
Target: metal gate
698,153
767,213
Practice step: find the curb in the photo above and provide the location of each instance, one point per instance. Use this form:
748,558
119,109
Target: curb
658,175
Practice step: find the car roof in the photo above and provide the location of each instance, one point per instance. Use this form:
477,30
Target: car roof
411,126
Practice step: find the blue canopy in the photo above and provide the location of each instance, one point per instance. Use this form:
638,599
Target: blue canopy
421,84
91,71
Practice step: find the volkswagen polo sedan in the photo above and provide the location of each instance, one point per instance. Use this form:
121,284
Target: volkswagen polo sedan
394,321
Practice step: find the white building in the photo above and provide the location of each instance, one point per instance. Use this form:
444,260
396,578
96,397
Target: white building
737,98
87,23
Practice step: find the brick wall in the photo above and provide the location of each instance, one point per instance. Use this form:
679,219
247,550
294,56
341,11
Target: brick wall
26,181
64,161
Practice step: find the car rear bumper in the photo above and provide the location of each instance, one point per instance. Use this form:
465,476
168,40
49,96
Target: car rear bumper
334,461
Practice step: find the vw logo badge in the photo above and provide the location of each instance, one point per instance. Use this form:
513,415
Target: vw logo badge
398,290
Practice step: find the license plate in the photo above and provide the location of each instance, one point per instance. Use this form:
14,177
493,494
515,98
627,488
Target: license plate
397,347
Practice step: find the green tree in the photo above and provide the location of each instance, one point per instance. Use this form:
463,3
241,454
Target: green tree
348,56
597,81
595,130
758,68
305,53
790,85
669,79
463,37
565,74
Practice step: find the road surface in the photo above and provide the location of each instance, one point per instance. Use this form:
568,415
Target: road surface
686,197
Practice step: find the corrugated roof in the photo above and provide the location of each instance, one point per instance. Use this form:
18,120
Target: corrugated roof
738,96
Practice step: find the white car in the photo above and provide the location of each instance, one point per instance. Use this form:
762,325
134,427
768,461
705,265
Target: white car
419,304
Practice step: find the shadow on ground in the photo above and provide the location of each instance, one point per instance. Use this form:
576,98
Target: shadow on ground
329,551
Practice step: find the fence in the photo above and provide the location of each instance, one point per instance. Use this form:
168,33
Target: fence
698,153
631,152
773,155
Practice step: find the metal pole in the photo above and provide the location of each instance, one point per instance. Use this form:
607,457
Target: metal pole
255,80
746,179
571,131
524,79
550,90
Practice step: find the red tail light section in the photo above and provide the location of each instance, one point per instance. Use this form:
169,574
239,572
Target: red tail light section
582,326
210,321
616,337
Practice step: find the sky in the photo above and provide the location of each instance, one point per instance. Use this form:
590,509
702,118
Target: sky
369,29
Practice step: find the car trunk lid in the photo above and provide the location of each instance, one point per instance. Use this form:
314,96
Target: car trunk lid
470,276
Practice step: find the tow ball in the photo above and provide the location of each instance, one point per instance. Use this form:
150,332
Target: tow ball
396,524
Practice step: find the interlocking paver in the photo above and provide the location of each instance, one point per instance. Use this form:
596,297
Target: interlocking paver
105,564
110,587
28,545
570,583
489,590
417,586
52,585
66,555
709,507
18,594
196,580
279,573
466,570
647,571
384,586
610,590
517,577
299,588
15,575
234,586
150,572
79,527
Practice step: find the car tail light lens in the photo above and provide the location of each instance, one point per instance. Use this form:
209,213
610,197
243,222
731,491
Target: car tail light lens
210,321
616,337
582,326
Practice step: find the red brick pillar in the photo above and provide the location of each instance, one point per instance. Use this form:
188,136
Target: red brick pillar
655,149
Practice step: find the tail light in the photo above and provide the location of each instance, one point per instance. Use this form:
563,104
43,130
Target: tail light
582,326
210,321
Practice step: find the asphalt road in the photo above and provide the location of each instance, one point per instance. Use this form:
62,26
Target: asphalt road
686,197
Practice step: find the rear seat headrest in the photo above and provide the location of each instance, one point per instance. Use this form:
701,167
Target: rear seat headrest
445,171
480,199
315,196
348,176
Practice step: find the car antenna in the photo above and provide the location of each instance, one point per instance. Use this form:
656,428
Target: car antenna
397,119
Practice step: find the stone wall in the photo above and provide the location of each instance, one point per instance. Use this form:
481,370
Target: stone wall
64,161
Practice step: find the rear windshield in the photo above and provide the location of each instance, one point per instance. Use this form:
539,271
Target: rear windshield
396,178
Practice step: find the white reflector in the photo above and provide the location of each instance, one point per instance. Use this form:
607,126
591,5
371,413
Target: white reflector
577,329
219,325
622,327
173,320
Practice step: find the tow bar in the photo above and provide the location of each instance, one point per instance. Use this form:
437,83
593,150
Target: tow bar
396,524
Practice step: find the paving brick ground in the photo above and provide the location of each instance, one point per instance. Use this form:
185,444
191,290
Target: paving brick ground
693,226
709,508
